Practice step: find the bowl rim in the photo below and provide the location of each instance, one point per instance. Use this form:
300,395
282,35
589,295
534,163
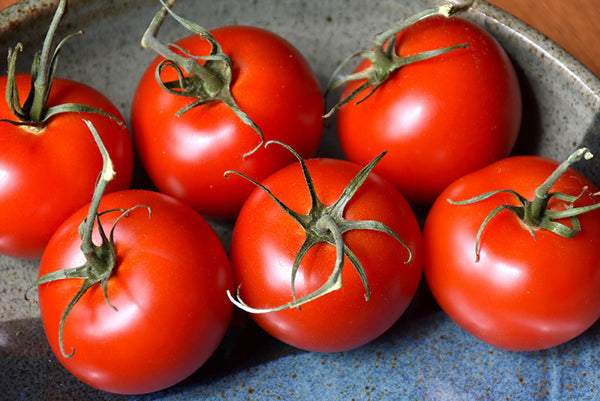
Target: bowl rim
481,10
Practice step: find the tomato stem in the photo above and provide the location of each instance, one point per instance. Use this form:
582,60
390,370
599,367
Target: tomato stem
43,60
542,193
207,82
211,82
384,59
34,113
101,259
535,214
322,224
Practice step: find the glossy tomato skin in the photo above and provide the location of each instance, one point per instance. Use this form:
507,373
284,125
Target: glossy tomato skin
524,293
45,177
169,288
441,118
186,156
265,241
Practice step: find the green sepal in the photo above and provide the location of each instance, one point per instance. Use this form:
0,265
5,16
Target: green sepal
383,57
204,78
35,113
323,224
535,214
101,260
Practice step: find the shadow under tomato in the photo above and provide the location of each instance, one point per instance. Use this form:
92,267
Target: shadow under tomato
531,130
244,346
29,370
591,140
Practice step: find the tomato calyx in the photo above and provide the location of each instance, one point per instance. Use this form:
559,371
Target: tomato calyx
535,214
101,260
322,224
34,113
384,59
203,78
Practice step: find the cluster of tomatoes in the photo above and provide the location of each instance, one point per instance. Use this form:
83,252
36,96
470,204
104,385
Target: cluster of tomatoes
326,254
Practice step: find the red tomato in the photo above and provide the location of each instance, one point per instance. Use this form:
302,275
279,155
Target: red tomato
46,176
186,156
169,288
440,118
524,293
266,240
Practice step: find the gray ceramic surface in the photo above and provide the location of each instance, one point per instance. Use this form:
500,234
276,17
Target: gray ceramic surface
424,356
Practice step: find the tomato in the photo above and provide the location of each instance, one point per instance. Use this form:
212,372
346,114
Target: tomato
46,176
168,288
186,156
266,240
438,118
526,292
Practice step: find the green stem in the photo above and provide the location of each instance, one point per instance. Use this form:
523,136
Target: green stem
12,92
540,201
383,57
446,10
101,259
106,176
86,229
207,82
210,81
41,80
35,111
323,224
535,214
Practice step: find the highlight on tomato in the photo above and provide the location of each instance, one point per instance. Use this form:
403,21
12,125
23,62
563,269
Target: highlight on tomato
512,251
132,290
439,93
326,255
44,141
208,102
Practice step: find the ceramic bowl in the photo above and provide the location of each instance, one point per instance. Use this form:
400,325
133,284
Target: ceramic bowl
424,356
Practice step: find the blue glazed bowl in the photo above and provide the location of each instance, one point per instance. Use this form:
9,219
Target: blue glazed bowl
424,356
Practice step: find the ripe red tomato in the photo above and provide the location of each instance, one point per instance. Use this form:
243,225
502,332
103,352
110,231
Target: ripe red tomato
46,176
439,118
524,293
169,288
266,240
186,156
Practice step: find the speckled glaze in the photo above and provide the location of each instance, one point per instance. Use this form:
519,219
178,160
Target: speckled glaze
424,356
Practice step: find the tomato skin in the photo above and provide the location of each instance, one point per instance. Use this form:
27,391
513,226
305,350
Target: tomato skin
169,288
46,177
441,118
523,294
265,241
187,156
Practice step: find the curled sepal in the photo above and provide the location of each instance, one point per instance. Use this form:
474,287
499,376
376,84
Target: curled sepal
384,59
34,113
323,224
101,259
203,78
535,214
